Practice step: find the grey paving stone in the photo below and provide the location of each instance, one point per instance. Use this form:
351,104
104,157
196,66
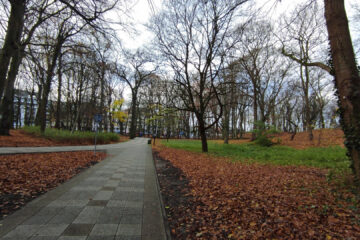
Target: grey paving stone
78,229
44,238
134,204
89,214
126,195
97,203
38,219
132,211
78,195
131,219
131,184
104,230
116,203
110,215
100,238
95,183
129,230
131,179
108,188
103,195
23,231
51,230
14,238
129,189
117,175
85,188
66,216
49,210
72,238
69,203
124,237
112,183
92,178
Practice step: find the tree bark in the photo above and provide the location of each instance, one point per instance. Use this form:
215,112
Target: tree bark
47,85
347,79
7,103
133,115
202,132
12,39
58,102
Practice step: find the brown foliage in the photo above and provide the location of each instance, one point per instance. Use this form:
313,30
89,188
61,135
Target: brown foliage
322,138
25,176
240,201
18,138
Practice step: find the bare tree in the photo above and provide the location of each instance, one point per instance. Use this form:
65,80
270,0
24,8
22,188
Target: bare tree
135,73
303,42
192,35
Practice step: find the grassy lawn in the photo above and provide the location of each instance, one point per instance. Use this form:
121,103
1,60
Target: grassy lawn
76,137
326,157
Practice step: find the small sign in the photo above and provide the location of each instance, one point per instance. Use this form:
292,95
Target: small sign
97,118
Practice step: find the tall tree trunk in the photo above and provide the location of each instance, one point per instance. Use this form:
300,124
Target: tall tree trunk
58,102
133,115
226,125
102,95
18,111
12,40
7,103
31,111
309,126
347,78
255,108
47,85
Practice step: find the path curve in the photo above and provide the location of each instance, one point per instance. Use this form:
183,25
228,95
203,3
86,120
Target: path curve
117,198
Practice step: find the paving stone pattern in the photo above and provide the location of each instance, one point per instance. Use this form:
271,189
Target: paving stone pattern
108,204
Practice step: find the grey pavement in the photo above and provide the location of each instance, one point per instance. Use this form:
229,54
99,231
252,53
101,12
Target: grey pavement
117,198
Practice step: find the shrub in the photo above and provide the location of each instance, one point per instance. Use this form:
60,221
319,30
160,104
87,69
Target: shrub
264,141
75,137
263,134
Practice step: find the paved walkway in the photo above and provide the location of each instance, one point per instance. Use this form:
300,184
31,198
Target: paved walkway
117,198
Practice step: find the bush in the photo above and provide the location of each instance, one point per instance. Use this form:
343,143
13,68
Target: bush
264,141
75,137
263,134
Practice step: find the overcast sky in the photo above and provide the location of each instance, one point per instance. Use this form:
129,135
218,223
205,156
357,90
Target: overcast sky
141,12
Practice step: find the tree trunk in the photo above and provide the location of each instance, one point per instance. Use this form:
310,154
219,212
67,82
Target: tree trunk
31,111
255,108
12,40
307,106
58,102
47,86
133,115
7,103
226,124
202,133
347,79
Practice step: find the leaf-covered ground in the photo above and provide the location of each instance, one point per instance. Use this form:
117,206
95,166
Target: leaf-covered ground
211,198
23,177
322,138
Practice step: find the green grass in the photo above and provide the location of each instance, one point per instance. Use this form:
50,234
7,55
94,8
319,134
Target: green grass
76,137
330,157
